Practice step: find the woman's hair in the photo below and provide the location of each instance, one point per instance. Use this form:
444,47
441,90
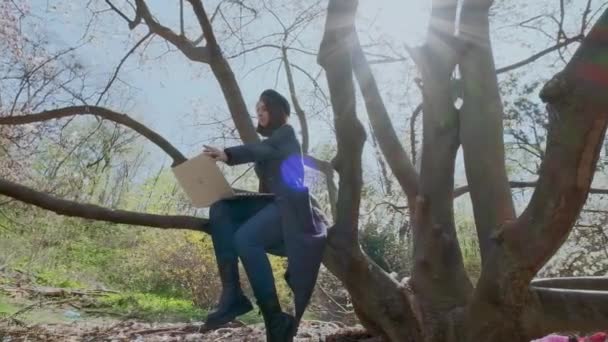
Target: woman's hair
278,109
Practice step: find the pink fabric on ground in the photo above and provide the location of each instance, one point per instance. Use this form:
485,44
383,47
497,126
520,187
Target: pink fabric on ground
553,338
598,337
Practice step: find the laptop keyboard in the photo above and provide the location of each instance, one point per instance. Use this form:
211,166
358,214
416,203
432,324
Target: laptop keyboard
244,193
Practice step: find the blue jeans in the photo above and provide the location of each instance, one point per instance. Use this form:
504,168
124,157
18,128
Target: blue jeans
246,228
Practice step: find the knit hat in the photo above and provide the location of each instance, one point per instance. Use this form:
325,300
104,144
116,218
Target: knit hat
278,108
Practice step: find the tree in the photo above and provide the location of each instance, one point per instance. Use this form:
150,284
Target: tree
502,306
438,302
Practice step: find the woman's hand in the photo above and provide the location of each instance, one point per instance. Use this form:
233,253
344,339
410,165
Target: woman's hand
215,153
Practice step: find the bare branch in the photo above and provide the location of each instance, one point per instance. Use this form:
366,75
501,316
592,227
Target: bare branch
132,23
195,53
393,151
312,79
507,68
181,18
274,46
94,212
522,184
122,61
210,54
540,54
584,21
204,22
327,169
481,119
385,59
296,104
413,119
105,113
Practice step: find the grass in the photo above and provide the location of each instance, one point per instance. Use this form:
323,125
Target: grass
153,307
6,308
57,279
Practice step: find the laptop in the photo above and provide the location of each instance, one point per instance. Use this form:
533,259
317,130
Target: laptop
204,183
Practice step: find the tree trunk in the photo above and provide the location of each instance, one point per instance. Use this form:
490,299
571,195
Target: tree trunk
481,128
379,301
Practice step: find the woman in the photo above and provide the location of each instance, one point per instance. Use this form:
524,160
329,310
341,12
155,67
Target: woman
284,224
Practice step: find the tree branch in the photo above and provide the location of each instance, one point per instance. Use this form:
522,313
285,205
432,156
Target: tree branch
94,212
413,119
327,169
122,61
481,119
459,191
132,23
507,68
296,104
212,55
195,53
105,113
578,110
334,56
540,54
203,20
393,151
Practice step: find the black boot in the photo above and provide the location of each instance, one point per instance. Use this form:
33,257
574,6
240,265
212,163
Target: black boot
280,326
232,302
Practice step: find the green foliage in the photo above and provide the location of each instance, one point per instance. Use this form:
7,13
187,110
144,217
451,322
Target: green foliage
6,308
469,247
154,307
385,249
57,278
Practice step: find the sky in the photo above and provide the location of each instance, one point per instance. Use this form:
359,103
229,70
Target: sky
174,96
171,87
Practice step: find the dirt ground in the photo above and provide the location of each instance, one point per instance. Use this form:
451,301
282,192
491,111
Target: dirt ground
310,331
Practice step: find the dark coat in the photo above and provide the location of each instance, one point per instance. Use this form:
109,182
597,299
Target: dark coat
279,166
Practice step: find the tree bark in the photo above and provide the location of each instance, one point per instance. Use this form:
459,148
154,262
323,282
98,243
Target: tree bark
393,151
294,101
439,281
